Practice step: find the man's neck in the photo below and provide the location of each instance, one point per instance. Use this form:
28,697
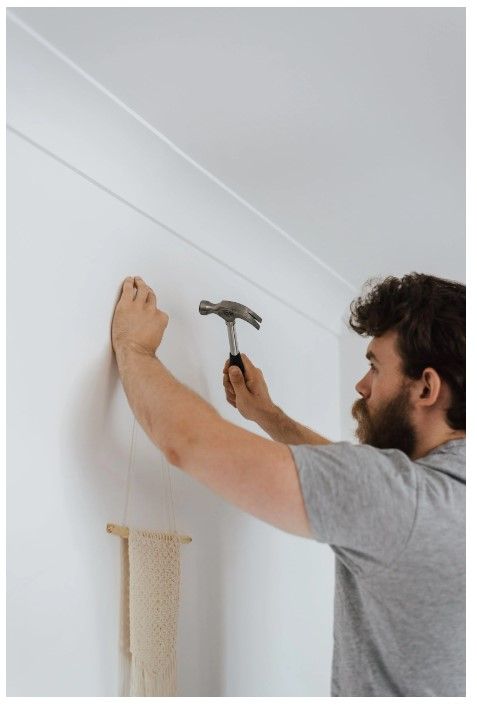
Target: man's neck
425,447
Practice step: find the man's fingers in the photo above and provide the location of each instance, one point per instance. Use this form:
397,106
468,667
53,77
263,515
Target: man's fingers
228,384
229,390
151,297
142,289
144,294
128,288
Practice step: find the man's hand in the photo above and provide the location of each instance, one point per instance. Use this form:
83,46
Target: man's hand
137,322
250,395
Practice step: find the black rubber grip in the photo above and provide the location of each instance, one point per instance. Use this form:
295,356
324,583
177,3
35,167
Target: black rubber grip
236,360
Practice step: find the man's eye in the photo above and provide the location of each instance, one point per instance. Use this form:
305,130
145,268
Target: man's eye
373,367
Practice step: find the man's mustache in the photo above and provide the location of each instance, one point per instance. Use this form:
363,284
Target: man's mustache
359,408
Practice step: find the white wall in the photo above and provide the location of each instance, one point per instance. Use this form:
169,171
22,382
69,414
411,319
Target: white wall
94,195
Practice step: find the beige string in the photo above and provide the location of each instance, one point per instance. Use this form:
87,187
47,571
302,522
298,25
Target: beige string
167,484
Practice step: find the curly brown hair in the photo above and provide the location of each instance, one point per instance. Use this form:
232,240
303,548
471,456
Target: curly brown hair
428,314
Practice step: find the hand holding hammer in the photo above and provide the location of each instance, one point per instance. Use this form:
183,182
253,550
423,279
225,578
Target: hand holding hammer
245,390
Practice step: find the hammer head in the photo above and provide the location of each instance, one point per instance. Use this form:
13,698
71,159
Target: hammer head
229,310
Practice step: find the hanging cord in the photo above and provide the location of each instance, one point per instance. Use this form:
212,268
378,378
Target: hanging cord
128,479
168,488
171,496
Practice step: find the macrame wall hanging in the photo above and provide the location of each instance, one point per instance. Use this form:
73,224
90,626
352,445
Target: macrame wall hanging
149,601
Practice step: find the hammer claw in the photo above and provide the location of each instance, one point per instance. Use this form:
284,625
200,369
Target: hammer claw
254,315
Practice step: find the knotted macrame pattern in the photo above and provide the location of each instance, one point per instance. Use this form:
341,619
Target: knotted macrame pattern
149,612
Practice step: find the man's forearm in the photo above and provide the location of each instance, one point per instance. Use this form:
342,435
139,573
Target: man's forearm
170,413
173,415
283,429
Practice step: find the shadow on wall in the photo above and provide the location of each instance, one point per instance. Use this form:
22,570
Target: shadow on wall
94,446
93,462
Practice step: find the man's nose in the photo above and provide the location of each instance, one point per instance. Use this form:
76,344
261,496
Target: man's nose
362,388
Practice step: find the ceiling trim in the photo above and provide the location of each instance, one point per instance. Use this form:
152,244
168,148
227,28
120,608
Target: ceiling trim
60,108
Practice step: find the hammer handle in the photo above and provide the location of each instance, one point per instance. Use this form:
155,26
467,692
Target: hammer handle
236,360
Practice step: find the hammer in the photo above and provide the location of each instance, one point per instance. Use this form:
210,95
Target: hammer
228,310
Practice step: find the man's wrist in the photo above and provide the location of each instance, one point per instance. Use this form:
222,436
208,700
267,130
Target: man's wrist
125,348
269,419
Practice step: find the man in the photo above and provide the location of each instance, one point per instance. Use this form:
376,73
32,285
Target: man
392,508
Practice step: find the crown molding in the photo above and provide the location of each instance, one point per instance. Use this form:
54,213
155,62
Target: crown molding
62,110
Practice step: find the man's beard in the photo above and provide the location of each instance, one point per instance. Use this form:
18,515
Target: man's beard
389,427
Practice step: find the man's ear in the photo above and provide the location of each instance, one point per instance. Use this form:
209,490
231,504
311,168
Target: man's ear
429,387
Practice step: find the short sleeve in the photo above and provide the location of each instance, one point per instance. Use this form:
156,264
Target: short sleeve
359,499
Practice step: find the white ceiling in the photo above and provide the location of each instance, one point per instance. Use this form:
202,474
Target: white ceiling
344,126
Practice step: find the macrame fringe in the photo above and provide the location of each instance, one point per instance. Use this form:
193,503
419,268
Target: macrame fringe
147,683
124,652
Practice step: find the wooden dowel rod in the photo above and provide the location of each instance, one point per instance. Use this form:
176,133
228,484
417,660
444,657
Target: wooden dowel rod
124,532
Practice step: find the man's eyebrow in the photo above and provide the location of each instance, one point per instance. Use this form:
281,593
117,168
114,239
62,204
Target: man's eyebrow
371,355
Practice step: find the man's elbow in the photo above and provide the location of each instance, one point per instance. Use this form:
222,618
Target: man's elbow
187,446
173,443
172,456
178,452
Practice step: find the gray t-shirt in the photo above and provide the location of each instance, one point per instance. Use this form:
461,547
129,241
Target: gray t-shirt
397,528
